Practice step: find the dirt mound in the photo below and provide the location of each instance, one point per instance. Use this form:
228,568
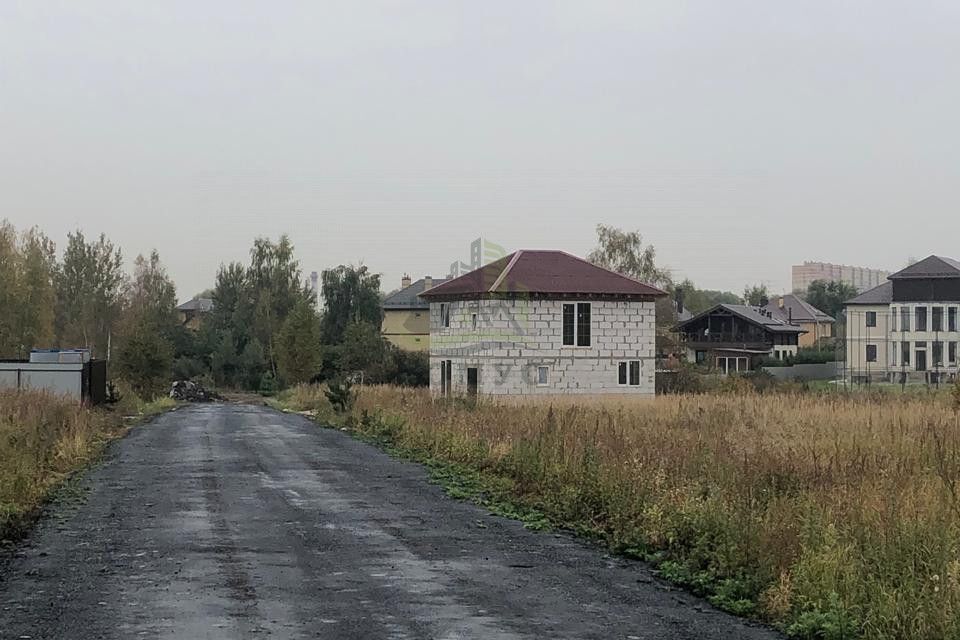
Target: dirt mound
189,391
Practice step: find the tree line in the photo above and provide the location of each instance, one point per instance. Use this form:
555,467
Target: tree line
265,329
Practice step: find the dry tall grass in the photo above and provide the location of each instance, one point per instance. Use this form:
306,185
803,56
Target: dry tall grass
832,516
42,438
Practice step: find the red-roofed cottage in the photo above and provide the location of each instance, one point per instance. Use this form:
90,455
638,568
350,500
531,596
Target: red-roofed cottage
542,322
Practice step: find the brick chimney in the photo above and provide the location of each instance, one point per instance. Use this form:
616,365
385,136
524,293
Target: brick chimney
427,282
405,281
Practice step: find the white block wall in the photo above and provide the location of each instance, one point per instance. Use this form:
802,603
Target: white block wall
513,338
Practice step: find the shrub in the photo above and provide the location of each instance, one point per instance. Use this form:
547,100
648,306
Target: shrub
188,368
685,379
340,394
268,384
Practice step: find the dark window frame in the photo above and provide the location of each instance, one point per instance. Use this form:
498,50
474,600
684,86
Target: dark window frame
871,318
629,373
445,315
871,353
583,324
569,324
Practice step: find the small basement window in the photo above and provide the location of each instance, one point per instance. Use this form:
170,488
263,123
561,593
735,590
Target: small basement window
628,373
543,376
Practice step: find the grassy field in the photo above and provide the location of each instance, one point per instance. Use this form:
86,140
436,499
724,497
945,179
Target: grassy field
830,516
44,438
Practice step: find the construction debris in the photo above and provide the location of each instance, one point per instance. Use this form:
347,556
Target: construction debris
189,391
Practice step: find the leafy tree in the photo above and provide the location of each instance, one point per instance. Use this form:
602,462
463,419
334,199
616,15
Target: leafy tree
89,287
756,295
698,300
364,351
27,297
146,354
151,294
145,359
299,357
625,253
225,360
9,298
252,364
187,367
830,296
35,309
412,368
275,288
352,295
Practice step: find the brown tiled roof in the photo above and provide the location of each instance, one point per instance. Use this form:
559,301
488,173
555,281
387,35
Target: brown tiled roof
542,272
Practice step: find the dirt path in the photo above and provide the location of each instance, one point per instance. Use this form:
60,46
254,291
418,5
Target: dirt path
228,521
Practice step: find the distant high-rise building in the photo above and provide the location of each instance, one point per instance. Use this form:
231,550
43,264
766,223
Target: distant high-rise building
861,278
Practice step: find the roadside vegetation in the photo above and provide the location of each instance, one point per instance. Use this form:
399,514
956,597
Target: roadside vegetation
44,438
827,515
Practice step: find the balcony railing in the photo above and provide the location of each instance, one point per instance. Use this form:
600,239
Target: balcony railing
713,338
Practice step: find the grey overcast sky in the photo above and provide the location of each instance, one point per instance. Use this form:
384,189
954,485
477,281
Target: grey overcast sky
738,137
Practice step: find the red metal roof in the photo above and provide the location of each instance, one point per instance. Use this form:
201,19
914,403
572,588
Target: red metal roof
542,272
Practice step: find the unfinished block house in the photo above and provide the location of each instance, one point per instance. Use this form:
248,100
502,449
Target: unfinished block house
541,323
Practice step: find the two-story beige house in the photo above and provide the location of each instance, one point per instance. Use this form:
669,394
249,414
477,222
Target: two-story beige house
907,329
796,311
541,323
406,316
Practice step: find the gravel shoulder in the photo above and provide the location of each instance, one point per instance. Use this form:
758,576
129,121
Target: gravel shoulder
227,521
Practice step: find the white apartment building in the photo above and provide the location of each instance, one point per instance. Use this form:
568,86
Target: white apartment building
861,278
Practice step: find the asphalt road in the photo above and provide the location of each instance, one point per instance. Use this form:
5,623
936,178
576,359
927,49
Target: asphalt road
230,521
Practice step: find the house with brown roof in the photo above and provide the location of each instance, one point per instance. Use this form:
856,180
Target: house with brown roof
908,328
541,323
733,338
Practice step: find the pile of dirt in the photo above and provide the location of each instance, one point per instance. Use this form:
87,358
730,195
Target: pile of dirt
189,391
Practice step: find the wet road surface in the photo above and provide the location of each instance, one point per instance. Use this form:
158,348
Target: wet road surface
230,521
